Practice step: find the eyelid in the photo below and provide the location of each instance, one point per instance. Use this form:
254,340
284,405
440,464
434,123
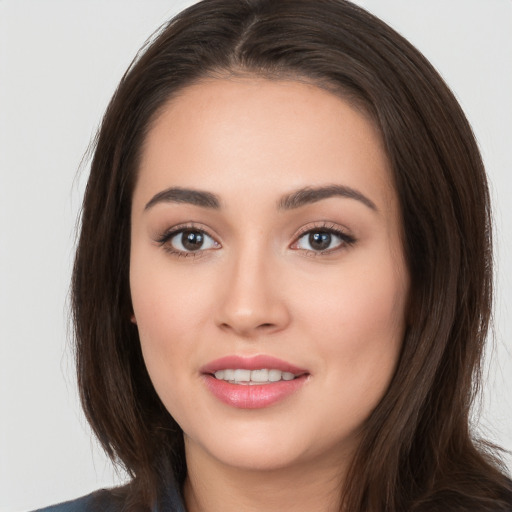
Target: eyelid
164,239
346,238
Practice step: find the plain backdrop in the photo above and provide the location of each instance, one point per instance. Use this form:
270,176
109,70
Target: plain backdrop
60,62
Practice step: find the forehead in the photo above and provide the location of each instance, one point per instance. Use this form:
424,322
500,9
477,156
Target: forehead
224,134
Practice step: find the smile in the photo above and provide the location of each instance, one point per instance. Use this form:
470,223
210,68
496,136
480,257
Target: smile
253,377
253,382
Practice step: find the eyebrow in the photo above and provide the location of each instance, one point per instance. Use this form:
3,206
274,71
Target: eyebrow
296,199
185,195
310,195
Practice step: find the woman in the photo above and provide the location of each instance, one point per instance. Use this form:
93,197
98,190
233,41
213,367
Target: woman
283,281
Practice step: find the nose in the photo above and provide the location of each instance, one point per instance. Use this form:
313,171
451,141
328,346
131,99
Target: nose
253,301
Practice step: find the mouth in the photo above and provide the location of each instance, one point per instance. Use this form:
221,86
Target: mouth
253,382
259,369
254,377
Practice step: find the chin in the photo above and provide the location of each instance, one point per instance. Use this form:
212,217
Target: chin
258,459
261,450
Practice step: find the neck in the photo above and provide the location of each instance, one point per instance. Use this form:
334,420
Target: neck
211,486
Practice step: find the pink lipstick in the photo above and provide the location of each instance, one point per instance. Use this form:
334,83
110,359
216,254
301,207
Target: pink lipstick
252,382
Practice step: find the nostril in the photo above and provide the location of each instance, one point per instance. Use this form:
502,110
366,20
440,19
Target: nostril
261,327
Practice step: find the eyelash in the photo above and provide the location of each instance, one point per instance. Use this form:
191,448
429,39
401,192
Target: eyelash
166,237
346,240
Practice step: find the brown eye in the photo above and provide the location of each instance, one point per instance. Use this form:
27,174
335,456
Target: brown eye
323,240
319,241
191,240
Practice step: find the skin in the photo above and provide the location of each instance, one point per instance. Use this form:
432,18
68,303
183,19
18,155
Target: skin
259,287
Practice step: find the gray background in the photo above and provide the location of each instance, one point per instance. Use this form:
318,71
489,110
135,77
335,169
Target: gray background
59,64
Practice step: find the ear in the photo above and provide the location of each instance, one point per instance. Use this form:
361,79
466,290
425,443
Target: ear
133,320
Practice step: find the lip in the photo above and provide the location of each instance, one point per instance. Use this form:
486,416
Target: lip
256,396
251,363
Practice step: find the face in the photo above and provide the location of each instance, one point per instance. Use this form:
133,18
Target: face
267,271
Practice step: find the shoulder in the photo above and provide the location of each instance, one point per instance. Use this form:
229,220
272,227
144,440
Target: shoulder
119,499
103,500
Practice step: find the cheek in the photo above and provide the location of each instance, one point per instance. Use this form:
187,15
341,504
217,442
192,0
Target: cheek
170,312
167,342
360,323
165,299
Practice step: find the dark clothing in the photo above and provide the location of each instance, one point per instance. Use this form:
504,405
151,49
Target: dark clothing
113,501
110,501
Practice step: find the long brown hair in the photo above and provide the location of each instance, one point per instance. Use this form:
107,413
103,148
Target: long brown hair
417,451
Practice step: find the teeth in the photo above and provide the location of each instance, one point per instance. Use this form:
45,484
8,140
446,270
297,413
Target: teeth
259,376
263,376
242,375
274,375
